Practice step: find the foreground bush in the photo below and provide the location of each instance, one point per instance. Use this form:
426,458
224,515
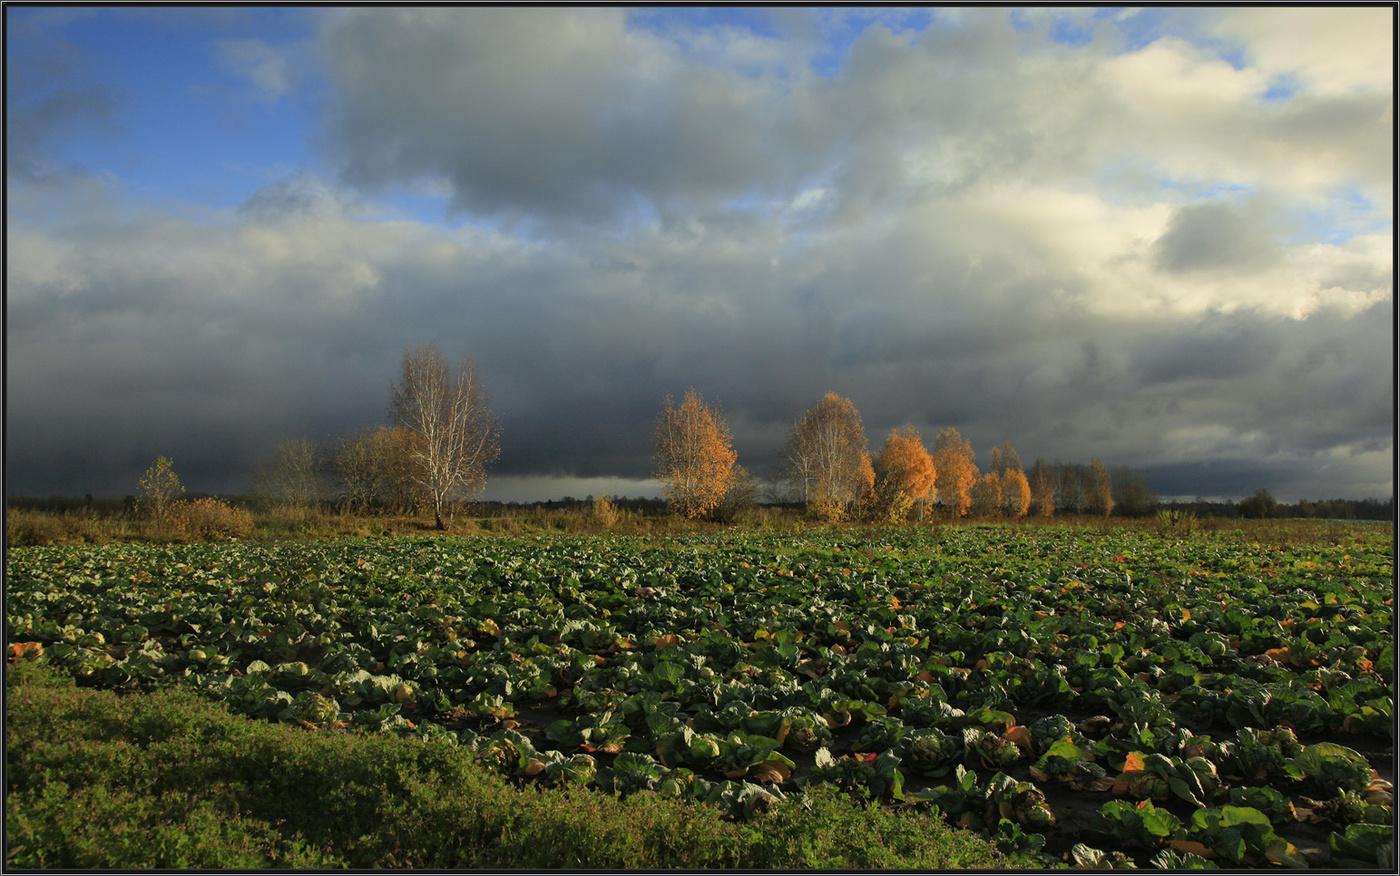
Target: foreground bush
169,780
210,519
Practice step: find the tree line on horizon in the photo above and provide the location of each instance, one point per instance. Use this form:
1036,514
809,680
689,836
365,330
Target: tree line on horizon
442,436
1304,509
827,465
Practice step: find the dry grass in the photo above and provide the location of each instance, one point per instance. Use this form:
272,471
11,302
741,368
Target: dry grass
212,520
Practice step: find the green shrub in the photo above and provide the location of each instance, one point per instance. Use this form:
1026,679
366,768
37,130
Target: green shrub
1175,521
160,487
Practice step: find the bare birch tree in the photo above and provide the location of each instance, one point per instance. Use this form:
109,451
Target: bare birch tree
448,409
291,474
827,459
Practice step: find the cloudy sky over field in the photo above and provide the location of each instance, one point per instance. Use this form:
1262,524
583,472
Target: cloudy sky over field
1163,238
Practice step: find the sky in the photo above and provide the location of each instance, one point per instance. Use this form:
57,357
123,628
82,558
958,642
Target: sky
1161,237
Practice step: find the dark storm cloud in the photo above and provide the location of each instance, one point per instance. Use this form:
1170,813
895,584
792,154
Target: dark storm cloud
195,344
540,109
912,231
1215,236
1286,480
1215,346
214,344
1211,479
548,115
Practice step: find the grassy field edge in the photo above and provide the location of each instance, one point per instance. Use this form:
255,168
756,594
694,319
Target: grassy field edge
169,780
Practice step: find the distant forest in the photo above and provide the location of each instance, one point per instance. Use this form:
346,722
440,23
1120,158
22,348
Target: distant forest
1334,509
1131,504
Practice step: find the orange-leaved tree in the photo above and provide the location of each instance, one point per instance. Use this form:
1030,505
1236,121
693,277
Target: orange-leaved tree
827,459
904,473
1015,489
955,471
1015,493
694,455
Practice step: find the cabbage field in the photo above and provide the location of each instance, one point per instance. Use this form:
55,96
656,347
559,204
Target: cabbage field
1101,697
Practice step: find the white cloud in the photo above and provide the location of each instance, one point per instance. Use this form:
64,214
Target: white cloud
638,119
1332,49
1172,77
1195,118
264,66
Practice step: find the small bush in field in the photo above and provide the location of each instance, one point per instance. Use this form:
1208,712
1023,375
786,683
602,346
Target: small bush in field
160,487
827,509
211,518
606,512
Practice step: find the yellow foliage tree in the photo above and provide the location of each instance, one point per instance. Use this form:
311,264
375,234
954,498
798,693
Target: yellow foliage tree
955,471
904,473
160,487
1015,493
694,455
1013,487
